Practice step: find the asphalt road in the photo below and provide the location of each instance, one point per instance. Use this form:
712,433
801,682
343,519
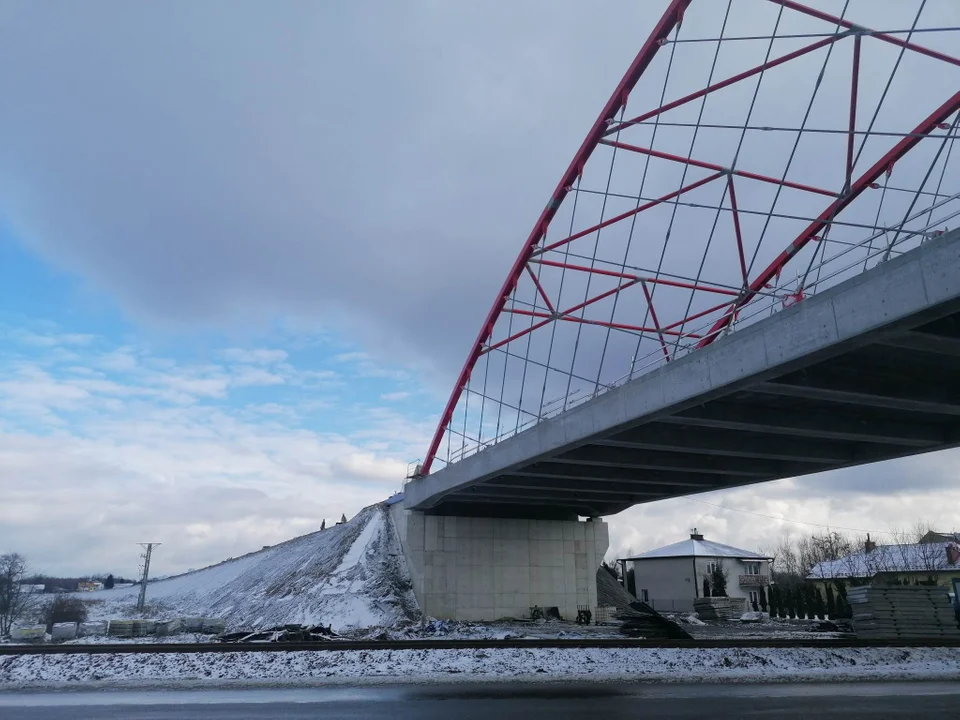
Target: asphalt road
850,701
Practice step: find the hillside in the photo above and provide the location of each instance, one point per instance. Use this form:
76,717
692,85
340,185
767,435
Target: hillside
348,576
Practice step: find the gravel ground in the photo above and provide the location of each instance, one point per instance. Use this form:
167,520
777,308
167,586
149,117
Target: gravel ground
84,671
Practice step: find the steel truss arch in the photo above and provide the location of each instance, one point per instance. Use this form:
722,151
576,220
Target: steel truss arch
693,184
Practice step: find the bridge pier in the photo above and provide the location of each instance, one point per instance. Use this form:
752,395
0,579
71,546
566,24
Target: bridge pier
483,568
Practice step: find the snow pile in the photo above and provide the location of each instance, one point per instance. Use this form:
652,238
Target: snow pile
348,576
627,664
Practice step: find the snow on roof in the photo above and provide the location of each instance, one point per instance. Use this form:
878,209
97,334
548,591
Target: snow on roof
699,548
919,557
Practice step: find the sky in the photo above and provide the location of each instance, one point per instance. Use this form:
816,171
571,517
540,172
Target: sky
244,248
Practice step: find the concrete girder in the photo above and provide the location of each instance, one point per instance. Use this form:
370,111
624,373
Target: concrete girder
594,487
835,425
922,342
599,472
727,443
677,462
855,397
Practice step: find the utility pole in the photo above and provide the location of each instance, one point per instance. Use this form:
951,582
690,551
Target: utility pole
145,560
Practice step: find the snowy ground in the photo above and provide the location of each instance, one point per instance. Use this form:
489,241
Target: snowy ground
430,666
351,575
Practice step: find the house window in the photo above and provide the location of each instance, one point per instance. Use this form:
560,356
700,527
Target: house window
751,568
645,596
754,598
711,568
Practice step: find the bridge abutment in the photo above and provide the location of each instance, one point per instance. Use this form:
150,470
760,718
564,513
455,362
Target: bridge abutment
481,568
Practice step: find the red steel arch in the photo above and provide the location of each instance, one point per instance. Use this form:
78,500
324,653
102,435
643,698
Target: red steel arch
723,303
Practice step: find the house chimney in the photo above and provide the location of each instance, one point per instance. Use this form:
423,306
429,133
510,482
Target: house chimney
695,535
869,545
953,553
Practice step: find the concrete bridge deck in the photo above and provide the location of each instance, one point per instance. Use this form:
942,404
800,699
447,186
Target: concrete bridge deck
868,370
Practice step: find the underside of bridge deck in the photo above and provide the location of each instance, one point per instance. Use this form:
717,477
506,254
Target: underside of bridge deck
885,391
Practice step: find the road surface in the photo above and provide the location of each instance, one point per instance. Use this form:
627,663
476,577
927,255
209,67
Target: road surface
850,701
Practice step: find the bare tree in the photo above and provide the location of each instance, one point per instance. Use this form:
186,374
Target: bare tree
14,599
822,547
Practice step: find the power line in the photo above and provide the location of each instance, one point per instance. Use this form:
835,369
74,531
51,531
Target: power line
796,522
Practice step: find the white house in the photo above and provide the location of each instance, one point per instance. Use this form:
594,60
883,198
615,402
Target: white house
671,577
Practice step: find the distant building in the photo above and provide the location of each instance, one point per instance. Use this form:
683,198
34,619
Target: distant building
933,536
671,577
89,586
930,562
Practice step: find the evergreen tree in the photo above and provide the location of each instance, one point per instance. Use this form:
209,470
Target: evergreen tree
800,602
763,599
774,599
831,603
718,580
109,582
819,604
843,606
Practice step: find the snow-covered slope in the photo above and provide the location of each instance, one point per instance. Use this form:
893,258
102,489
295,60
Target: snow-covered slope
349,576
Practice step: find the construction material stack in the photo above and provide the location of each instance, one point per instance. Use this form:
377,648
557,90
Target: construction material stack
895,613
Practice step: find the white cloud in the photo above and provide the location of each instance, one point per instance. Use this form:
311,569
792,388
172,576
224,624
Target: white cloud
395,396
260,356
28,337
255,376
141,446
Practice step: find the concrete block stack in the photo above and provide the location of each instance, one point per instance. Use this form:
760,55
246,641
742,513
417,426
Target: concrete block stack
29,633
893,613
719,608
63,631
132,628
93,628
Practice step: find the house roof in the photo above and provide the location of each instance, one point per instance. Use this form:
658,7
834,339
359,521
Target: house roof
698,548
919,557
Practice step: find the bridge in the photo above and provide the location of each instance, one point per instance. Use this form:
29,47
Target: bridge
749,270
866,371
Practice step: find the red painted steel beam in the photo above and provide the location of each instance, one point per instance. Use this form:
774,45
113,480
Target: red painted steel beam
602,323
615,128
719,168
929,124
656,322
833,20
696,316
670,18
543,293
736,229
631,213
628,276
854,82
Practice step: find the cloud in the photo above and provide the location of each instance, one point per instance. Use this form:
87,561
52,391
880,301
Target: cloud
28,337
256,376
134,445
395,396
259,356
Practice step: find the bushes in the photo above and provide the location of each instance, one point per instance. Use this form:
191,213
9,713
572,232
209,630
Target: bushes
64,609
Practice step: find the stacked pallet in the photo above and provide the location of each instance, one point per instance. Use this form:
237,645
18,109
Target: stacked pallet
893,613
719,608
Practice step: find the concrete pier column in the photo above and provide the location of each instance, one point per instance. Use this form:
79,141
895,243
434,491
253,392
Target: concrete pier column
479,568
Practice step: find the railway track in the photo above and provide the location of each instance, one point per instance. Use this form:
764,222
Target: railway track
375,645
